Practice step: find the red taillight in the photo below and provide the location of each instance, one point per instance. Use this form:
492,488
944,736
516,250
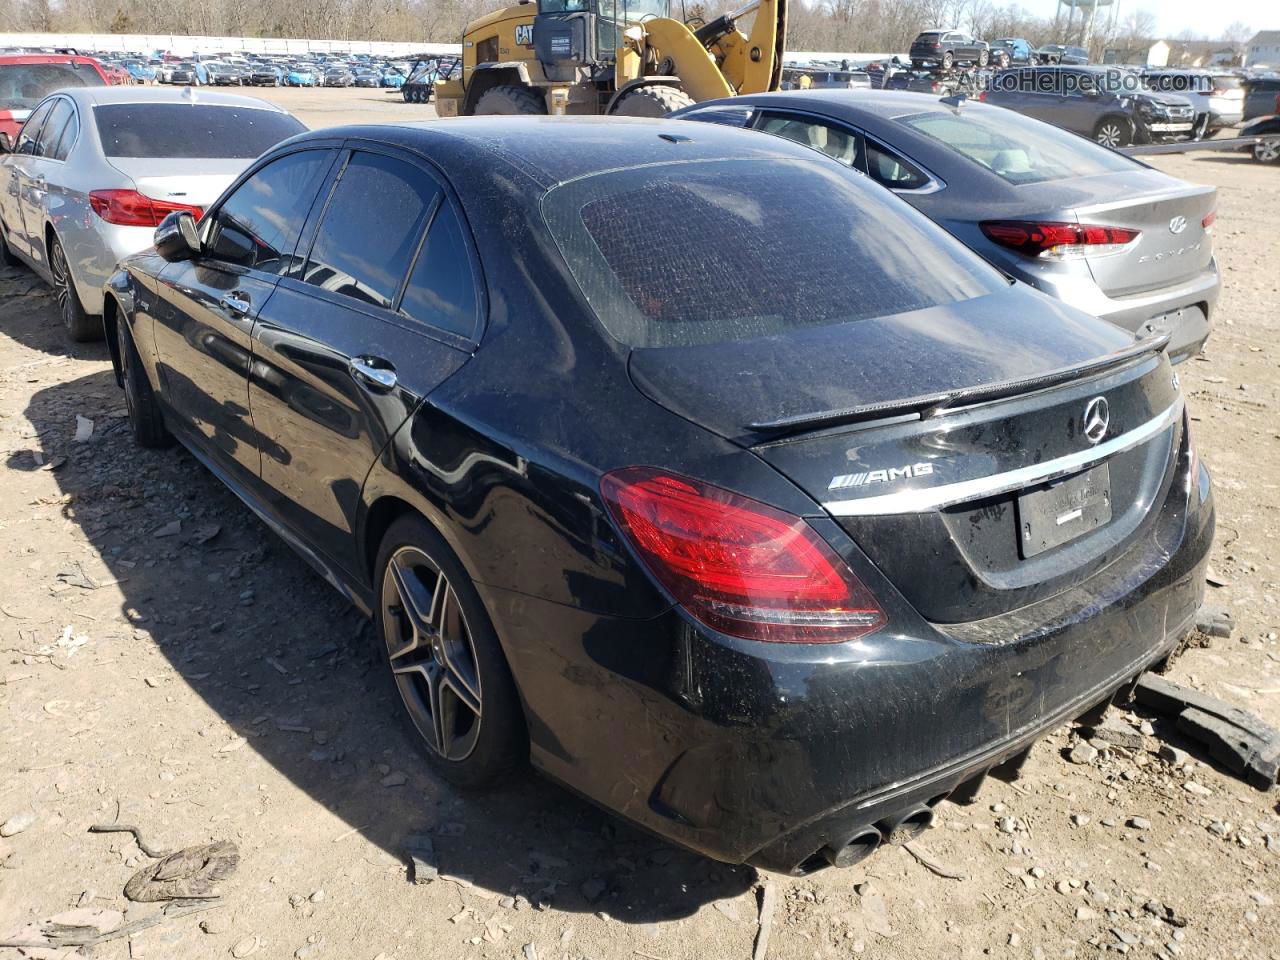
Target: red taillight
1058,241
740,566
128,208
1209,219
982,96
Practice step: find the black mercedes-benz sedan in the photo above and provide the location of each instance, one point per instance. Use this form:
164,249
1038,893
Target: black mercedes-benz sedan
684,463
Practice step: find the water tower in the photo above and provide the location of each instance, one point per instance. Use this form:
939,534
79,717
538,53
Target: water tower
1084,25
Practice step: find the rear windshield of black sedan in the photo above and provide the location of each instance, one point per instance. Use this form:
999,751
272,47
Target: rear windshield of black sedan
709,252
190,131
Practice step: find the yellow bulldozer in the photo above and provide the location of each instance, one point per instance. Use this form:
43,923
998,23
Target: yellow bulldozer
625,58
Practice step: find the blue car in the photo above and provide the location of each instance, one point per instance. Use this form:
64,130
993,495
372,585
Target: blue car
392,79
139,71
302,77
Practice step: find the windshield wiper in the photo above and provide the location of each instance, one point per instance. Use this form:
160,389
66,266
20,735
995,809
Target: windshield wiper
934,404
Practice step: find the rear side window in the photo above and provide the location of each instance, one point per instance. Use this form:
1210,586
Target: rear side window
1016,148
740,249
371,228
259,224
190,131
836,142
442,288
68,138
53,127
887,168
23,85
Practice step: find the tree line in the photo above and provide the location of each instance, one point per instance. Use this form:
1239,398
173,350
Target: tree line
851,25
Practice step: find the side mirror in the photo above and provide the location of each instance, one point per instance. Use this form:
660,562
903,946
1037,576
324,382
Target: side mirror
176,238
6,145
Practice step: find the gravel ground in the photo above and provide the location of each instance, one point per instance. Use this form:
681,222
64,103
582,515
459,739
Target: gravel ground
166,662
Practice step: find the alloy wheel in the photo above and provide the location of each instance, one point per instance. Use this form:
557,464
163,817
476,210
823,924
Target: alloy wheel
1110,135
61,281
1268,151
432,655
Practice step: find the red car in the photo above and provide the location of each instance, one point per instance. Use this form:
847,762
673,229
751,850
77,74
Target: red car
26,79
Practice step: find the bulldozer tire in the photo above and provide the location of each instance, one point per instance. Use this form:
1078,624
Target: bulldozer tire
510,100
656,101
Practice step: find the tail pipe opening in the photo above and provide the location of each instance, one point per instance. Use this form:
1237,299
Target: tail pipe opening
907,826
860,846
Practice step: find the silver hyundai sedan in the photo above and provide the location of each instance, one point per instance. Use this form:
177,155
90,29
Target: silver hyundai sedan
95,170
1082,223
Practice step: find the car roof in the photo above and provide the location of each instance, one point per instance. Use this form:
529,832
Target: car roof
94,96
851,104
552,150
11,58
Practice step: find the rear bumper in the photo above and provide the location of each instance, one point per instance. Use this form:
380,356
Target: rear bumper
767,753
1184,309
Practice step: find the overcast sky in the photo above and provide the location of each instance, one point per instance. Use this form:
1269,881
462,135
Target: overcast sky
1206,18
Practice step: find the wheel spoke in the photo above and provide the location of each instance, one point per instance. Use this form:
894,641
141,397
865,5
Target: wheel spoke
456,655
416,606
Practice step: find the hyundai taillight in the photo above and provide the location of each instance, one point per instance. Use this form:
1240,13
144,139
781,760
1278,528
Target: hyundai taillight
740,566
1059,241
129,208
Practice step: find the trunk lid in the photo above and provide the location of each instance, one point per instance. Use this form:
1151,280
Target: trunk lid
199,184
1174,245
938,501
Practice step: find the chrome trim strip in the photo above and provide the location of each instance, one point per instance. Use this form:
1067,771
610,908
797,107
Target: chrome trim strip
949,494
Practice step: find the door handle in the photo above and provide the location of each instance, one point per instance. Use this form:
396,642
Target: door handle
236,303
373,372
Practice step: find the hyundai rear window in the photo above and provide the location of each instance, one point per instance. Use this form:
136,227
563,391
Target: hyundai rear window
23,85
718,251
190,131
1018,149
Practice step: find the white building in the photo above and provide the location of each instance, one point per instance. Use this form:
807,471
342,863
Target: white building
1263,50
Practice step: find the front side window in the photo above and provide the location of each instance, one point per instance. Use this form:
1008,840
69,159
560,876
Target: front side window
371,228
735,250
258,226
836,142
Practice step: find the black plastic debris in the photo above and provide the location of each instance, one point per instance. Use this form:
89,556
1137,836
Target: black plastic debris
1235,738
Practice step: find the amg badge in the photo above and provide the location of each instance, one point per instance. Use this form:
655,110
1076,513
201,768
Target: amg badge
880,476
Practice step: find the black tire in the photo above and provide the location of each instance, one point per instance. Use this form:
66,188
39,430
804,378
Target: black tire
655,101
498,743
948,60
1004,60
510,99
145,416
7,257
80,327
1113,132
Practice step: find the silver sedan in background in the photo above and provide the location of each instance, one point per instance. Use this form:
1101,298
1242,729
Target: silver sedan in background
1082,223
95,170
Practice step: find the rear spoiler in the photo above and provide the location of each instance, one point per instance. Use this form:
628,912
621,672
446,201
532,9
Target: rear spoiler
924,406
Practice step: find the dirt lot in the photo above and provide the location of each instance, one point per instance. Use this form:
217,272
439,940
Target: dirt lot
164,659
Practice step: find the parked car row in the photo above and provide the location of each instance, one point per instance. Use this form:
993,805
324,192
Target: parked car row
947,508
950,48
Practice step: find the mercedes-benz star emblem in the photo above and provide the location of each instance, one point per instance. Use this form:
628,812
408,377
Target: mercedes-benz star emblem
1097,418
1177,225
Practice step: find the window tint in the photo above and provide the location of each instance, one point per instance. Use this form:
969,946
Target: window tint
886,167
68,138
371,228
23,85
30,133
441,290
53,127
258,225
1017,148
190,130
728,252
835,142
